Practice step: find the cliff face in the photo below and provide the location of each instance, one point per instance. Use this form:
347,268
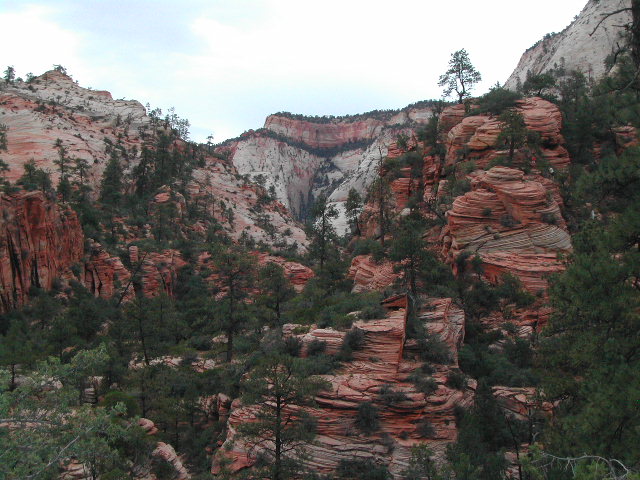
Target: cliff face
54,107
385,362
39,242
305,157
91,124
577,47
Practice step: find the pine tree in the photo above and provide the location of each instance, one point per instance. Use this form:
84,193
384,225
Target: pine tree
280,387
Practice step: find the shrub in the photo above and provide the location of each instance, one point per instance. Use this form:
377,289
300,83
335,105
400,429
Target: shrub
457,380
316,347
353,340
389,396
425,428
372,311
292,346
507,220
368,418
486,212
550,218
423,383
358,469
497,100
433,349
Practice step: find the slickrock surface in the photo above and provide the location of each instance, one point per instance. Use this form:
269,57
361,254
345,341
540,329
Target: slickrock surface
369,275
577,47
168,454
218,189
39,242
381,362
512,222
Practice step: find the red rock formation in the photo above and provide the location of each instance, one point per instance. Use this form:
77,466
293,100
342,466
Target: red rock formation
39,242
474,138
513,222
103,273
297,273
368,275
381,363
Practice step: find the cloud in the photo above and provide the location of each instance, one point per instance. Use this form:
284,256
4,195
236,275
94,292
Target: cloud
227,65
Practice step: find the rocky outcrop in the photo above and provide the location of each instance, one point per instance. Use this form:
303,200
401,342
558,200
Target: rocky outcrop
39,242
381,365
368,275
513,222
581,46
295,272
475,138
54,107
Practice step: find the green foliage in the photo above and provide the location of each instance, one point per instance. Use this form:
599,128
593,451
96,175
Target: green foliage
421,465
538,84
358,469
496,101
59,428
461,76
367,418
280,433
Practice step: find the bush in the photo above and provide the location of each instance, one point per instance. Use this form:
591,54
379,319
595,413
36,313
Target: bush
292,346
111,399
425,428
372,311
456,379
497,100
368,418
358,469
507,220
423,383
486,212
550,218
389,396
316,347
433,349
353,340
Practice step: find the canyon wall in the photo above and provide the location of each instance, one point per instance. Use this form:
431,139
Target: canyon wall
580,46
304,157
39,242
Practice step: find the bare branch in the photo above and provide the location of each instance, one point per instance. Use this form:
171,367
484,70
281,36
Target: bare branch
610,14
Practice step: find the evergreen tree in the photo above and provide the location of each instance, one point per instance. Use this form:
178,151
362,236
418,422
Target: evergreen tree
324,237
461,76
235,271
276,289
353,208
281,387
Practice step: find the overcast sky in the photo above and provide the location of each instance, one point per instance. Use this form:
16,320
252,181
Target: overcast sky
226,65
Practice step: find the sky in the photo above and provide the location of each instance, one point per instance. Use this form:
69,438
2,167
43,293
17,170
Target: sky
226,65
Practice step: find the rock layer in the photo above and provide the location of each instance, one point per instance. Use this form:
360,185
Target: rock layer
39,242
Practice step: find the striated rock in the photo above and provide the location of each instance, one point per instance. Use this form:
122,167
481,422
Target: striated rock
474,138
302,158
367,274
39,242
381,364
512,222
104,275
167,453
148,426
54,107
236,206
297,273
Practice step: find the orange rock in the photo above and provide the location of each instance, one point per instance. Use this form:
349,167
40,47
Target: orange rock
369,275
39,242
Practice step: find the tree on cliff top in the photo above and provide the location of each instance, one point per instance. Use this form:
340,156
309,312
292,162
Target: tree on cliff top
461,76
